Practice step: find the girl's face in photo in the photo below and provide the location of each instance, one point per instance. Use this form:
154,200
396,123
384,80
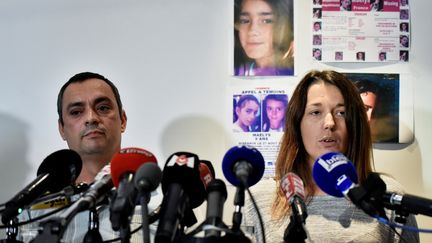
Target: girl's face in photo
275,112
256,29
247,113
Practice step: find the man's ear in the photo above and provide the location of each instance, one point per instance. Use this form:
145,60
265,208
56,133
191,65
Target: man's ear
123,118
61,130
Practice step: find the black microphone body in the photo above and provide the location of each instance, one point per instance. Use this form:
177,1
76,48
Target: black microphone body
57,170
183,190
32,191
124,202
216,197
407,203
52,229
174,205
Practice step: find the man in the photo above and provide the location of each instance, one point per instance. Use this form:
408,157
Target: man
91,121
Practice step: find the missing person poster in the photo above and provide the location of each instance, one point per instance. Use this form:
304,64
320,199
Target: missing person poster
258,120
361,30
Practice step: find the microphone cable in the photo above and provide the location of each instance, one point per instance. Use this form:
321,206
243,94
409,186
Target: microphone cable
403,227
259,215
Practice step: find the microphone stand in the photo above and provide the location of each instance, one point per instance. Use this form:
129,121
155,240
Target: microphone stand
239,200
144,217
233,235
295,231
11,232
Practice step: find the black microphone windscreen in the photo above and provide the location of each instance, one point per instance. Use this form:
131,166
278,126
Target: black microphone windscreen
183,168
64,166
147,177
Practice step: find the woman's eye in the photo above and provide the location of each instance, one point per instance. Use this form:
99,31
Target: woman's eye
267,21
244,21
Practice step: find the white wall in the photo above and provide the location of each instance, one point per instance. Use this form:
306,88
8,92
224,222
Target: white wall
171,62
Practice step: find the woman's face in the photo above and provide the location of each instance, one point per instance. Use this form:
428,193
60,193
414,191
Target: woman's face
256,30
275,112
323,127
247,113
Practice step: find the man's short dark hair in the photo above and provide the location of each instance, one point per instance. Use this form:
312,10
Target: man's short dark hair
79,78
365,85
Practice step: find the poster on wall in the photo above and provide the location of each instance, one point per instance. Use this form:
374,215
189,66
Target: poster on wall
263,38
258,120
361,30
381,95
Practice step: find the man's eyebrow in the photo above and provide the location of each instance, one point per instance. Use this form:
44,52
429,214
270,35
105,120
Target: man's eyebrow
81,103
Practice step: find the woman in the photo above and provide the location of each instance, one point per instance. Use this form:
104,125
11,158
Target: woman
246,111
324,114
263,38
274,106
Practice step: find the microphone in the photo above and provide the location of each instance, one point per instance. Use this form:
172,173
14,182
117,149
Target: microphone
292,186
407,203
57,170
147,179
183,190
402,203
207,172
123,167
334,174
216,197
52,229
243,166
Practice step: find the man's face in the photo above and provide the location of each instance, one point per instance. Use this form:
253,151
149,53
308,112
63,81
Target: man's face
92,121
369,99
317,27
317,54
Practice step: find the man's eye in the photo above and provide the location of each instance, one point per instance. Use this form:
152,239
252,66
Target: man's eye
104,108
74,112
